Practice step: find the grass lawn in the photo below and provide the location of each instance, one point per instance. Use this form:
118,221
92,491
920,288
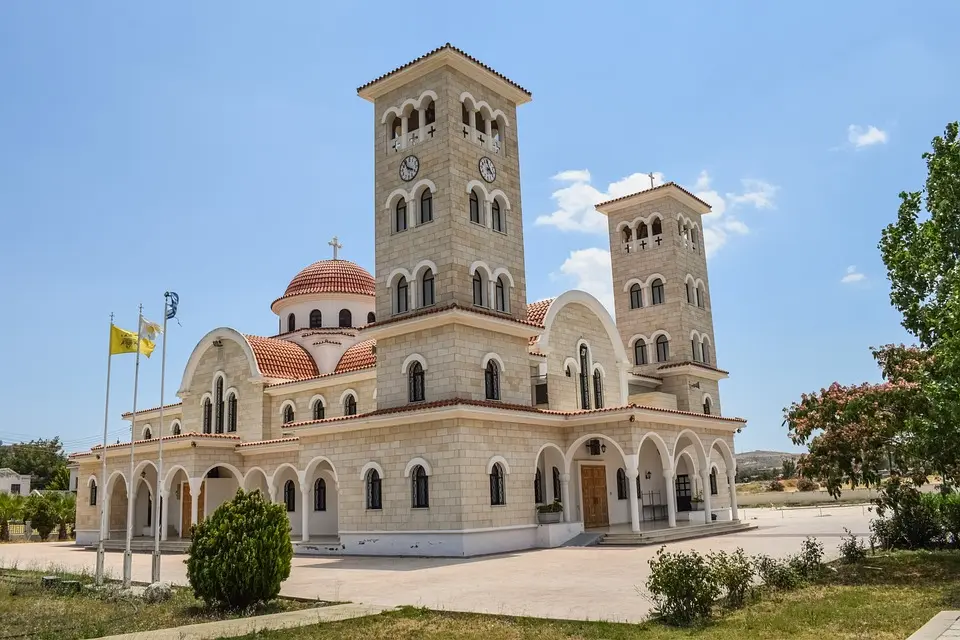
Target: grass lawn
28,611
885,597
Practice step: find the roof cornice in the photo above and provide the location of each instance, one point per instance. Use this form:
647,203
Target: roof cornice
670,189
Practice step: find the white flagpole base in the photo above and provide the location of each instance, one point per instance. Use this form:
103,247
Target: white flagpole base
100,562
127,568
155,573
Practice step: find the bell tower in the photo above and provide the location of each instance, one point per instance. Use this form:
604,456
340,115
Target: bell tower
661,292
451,287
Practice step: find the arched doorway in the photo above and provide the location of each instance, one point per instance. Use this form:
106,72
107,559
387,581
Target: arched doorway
321,502
594,462
220,484
653,463
116,507
286,491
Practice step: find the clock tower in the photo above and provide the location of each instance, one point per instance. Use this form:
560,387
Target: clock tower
451,287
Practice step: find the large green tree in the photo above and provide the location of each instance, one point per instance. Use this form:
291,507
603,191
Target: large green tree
38,458
910,423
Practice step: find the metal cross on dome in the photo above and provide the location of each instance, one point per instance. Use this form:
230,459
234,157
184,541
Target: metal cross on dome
335,243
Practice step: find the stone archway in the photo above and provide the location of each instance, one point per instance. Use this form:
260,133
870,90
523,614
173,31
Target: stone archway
115,507
593,461
320,501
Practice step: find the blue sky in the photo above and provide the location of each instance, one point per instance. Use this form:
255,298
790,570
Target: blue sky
214,148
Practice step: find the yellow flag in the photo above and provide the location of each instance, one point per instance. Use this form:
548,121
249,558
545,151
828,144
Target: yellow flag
123,341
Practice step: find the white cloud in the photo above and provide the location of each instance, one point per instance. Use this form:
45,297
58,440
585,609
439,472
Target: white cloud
852,275
756,193
590,271
577,199
860,136
723,222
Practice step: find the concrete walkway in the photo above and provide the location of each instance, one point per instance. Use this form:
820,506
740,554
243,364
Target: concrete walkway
945,624
246,626
584,583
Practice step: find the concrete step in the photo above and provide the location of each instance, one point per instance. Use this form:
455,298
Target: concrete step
586,539
661,536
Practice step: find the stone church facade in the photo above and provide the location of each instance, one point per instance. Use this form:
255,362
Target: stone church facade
429,410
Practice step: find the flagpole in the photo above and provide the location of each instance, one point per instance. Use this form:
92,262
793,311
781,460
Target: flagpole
128,553
102,487
158,506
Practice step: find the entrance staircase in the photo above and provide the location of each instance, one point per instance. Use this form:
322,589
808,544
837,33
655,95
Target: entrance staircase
663,536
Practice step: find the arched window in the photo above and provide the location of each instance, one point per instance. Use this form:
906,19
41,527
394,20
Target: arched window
403,295
492,380
498,490
93,493
396,128
371,317
690,294
707,406
496,215
218,392
320,495
474,207
623,490
627,236
207,415
400,216
643,231
481,124
350,405
176,428
663,348
426,206
373,490
420,487
426,289
290,496
501,295
705,351
695,349
147,434
656,227
693,239
656,291
413,121
557,487
636,296
291,322
346,318
288,414
416,382
640,351
713,482
477,289
538,487
597,389
430,113
701,297
584,377
464,113
318,409
232,412
316,319
567,372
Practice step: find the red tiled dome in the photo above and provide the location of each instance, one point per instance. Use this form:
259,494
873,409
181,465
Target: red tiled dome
282,358
359,356
331,276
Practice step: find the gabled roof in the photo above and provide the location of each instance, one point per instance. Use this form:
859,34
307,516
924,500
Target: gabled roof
640,195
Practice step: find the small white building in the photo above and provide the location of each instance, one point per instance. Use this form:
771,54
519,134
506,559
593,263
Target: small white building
13,482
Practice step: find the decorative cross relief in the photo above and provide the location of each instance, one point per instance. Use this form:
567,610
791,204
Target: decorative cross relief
335,243
431,130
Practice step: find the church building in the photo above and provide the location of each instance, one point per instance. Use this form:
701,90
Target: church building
427,408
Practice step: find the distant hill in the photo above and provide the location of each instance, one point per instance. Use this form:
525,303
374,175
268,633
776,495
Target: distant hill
757,460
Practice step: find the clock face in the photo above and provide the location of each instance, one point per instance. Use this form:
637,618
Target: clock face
487,171
409,168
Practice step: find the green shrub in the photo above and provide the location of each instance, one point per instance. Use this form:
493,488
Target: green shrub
809,562
851,548
682,586
734,573
950,516
806,484
775,485
908,518
776,573
241,553
42,514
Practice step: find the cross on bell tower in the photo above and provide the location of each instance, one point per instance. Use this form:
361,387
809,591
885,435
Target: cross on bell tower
335,243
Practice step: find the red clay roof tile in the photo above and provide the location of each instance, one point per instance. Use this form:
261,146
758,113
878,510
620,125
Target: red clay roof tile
282,358
331,276
359,356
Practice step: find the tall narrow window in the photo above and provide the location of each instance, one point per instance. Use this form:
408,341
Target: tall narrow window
713,482
430,113
693,349
291,322
350,406
597,389
690,294
147,434
643,231
416,382
657,227
400,216
288,414
316,319
636,296
421,487
474,207
701,297
693,239
538,487
705,351
663,348
346,318
584,377
176,428
403,295
93,493
707,406
501,295
371,317
557,486
492,380
656,291
320,495
232,412
219,401
318,409
640,351
290,496
496,215
623,490
464,113
627,237
207,416
477,289
426,206
498,492
426,289
373,490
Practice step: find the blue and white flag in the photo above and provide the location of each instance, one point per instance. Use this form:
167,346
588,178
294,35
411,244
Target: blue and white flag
172,301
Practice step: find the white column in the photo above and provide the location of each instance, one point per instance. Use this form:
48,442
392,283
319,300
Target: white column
671,498
632,475
196,484
164,514
414,294
565,497
404,123
707,502
304,512
487,215
489,132
732,484
473,124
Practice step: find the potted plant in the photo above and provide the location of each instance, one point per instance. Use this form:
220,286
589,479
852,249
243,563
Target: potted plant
550,513
697,501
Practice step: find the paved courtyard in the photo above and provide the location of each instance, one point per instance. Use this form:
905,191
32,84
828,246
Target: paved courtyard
580,583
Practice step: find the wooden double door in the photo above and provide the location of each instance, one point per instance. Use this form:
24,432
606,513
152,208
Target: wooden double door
186,507
593,485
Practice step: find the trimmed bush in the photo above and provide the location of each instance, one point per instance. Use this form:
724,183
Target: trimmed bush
806,484
683,587
241,553
734,573
777,574
775,485
852,549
